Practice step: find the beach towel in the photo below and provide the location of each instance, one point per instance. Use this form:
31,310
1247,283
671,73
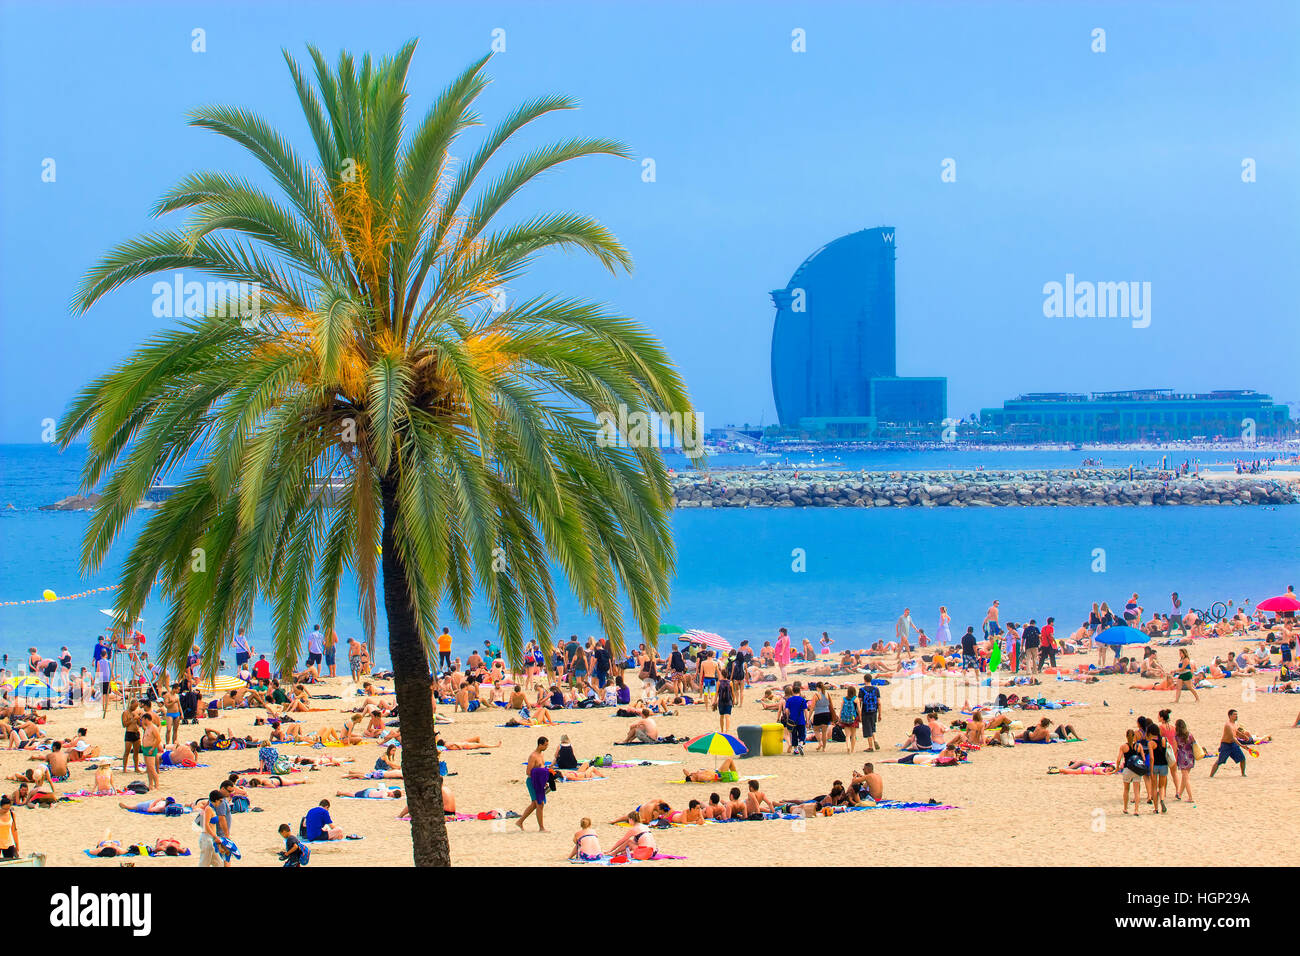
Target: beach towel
350,836
512,726
606,860
670,739
184,809
900,805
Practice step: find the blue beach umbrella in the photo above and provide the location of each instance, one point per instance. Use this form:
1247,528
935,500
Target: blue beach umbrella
1122,634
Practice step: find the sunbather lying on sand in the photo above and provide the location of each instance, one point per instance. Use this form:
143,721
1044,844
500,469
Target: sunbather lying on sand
469,743
710,776
371,793
648,812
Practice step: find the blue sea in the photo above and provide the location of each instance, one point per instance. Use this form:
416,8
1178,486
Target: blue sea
739,570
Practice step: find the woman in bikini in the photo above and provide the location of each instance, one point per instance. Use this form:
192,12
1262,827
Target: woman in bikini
586,845
1184,675
172,707
639,842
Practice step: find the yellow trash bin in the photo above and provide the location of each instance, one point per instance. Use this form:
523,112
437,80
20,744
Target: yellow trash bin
773,740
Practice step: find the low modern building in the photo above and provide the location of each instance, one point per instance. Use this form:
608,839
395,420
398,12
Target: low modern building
1152,414
833,364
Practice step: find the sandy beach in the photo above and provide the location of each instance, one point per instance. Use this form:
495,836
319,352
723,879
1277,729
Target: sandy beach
1011,811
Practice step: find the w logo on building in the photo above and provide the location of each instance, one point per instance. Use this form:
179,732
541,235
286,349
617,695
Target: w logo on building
887,236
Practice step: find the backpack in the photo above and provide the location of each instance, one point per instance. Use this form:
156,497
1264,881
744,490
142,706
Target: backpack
870,699
1134,761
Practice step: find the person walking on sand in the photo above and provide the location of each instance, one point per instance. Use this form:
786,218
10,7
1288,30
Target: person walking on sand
870,707
1184,761
849,716
723,702
823,714
782,652
208,855
794,714
538,782
1229,747
902,626
1133,764
1185,674
1160,764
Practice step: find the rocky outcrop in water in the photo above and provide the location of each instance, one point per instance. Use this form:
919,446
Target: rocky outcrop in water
74,503
972,489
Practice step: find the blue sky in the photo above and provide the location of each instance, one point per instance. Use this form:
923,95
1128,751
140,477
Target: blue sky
1116,166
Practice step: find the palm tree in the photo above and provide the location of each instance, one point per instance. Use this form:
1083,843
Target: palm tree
371,404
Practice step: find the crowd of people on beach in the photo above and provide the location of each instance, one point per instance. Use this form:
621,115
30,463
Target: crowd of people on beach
788,683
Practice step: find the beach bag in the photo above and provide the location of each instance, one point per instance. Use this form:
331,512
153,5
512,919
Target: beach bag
138,786
837,734
173,810
282,766
1135,762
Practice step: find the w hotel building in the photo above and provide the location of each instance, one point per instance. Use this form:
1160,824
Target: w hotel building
833,367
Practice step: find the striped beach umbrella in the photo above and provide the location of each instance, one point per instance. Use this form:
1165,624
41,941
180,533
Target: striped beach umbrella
219,685
708,639
716,745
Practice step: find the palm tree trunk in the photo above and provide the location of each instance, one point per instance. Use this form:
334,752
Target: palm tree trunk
420,777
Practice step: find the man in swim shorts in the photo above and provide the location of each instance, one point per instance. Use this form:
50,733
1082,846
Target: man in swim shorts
538,782
1229,748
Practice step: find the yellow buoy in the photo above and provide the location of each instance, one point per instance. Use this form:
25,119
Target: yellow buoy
48,594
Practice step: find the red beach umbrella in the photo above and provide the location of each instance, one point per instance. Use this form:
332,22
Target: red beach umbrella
1283,602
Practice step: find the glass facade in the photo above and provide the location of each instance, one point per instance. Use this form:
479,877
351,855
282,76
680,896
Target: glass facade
1143,414
834,328
833,342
